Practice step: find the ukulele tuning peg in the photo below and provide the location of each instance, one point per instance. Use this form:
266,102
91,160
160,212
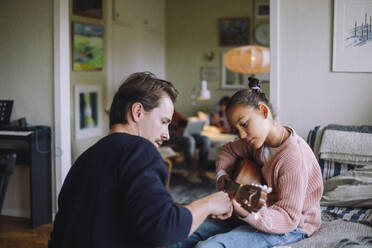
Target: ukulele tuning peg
266,188
269,189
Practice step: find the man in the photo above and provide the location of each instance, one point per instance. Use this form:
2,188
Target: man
114,195
188,144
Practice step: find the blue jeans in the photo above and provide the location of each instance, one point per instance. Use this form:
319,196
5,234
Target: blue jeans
236,234
189,144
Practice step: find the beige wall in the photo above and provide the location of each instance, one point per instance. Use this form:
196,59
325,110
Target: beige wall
310,93
137,40
26,76
192,31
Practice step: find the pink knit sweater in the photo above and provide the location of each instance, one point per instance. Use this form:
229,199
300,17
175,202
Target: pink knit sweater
294,174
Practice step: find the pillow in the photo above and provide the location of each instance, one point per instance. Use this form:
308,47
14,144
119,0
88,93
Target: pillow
350,189
331,169
328,168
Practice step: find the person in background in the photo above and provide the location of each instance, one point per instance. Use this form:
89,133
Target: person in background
188,144
114,195
219,118
288,166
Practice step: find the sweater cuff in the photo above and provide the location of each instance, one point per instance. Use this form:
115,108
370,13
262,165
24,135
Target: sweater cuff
220,173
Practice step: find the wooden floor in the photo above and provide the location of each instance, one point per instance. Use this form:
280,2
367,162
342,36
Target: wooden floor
17,233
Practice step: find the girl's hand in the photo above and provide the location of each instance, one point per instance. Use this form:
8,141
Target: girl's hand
222,181
239,209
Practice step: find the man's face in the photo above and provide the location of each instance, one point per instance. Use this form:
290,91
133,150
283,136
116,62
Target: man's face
154,124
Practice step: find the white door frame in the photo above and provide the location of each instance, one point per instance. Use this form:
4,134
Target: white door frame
274,55
62,130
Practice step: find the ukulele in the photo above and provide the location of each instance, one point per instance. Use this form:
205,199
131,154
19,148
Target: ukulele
246,187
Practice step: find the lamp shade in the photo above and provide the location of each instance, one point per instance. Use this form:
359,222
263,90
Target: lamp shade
248,59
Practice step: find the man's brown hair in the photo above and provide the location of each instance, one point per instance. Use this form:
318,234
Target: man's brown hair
142,87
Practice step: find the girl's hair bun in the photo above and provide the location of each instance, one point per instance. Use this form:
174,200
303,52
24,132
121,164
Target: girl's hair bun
254,84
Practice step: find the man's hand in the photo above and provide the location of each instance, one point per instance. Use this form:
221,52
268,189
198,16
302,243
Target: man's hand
216,204
239,209
219,204
222,181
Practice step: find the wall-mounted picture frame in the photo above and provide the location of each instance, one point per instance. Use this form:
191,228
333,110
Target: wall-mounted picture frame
234,31
234,80
87,47
262,10
88,107
88,8
352,36
209,73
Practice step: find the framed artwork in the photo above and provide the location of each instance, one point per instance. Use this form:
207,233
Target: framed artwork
87,47
352,36
88,107
234,80
234,31
209,73
262,10
88,8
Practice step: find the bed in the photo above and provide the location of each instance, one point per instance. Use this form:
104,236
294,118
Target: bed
344,155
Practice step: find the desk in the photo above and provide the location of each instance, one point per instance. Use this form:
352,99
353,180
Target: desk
33,148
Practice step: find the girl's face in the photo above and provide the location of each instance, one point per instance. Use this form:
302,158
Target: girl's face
253,125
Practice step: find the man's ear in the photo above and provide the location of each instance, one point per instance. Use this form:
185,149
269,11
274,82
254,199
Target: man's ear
137,111
264,110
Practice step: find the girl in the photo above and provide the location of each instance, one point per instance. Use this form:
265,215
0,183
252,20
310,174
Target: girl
219,118
288,166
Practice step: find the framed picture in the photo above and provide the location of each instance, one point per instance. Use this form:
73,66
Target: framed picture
209,73
262,10
88,107
352,36
234,31
234,80
87,47
88,8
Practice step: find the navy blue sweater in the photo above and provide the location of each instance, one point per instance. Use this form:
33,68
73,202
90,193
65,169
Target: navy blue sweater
114,196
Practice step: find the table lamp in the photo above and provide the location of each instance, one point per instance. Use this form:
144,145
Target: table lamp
205,94
200,93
